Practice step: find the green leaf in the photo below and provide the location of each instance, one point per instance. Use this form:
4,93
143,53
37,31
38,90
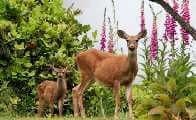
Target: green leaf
188,86
28,65
157,110
171,85
19,46
31,83
3,62
14,73
165,100
94,34
32,73
180,104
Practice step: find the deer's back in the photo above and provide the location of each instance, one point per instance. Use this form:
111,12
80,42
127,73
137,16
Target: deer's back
88,60
47,89
106,67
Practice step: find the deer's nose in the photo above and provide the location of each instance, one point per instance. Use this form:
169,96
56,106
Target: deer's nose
132,47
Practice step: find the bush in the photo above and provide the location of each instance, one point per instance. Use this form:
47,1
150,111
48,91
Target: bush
169,86
34,35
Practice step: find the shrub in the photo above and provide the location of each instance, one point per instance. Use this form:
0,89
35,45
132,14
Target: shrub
34,35
169,86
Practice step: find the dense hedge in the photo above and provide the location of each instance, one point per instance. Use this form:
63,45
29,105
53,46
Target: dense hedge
35,34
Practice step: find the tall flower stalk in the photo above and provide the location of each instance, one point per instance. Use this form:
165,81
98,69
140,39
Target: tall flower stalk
114,11
154,40
142,18
154,37
111,37
170,25
185,12
167,26
103,34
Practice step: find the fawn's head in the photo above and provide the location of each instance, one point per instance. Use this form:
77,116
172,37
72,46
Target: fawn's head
132,40
61,73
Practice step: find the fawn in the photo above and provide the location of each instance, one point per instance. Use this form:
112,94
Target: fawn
49,91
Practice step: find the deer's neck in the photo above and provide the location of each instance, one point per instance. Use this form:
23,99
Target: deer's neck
61,84
132,61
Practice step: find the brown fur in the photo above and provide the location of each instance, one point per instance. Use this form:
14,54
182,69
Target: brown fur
49,91
108,69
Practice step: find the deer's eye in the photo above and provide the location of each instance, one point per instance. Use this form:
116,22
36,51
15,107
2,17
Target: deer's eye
137,40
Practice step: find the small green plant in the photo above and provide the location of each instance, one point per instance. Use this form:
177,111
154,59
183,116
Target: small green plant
170,86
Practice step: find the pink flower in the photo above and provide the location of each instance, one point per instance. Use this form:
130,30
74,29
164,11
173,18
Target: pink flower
170,25
173,22
142,17
103,34
186,15
167,26
154,41
111,37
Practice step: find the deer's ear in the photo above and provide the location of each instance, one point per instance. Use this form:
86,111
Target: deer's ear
56,69
141,35
122,34
66,70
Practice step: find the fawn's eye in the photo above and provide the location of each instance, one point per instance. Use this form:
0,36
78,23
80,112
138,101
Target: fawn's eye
137,40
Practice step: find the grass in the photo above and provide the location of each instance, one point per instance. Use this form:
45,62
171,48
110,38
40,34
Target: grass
6,116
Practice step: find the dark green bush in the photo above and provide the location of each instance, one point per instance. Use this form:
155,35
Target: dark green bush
33,36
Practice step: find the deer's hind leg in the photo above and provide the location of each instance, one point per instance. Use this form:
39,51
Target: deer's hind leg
78,91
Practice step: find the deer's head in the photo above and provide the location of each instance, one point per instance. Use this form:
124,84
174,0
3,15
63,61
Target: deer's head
61,73
132,40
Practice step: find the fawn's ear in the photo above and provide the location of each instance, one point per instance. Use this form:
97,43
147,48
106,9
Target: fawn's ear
141,35
122,34
56,69
66,70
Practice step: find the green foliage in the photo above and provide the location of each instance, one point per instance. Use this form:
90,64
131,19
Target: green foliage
33,36
170,85
99,101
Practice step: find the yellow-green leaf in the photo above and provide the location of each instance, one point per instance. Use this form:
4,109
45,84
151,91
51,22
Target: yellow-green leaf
28,65
19,46
164,99
32,73
157,110
180,104
171,85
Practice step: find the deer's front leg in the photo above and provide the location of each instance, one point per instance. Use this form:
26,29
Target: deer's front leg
129,100
116,92
60,106
52,105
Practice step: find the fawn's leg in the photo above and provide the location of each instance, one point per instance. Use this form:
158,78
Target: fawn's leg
116,92
78,94
41,107
51,105
60,106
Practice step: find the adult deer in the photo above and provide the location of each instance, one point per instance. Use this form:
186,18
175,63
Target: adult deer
109,69
49,91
